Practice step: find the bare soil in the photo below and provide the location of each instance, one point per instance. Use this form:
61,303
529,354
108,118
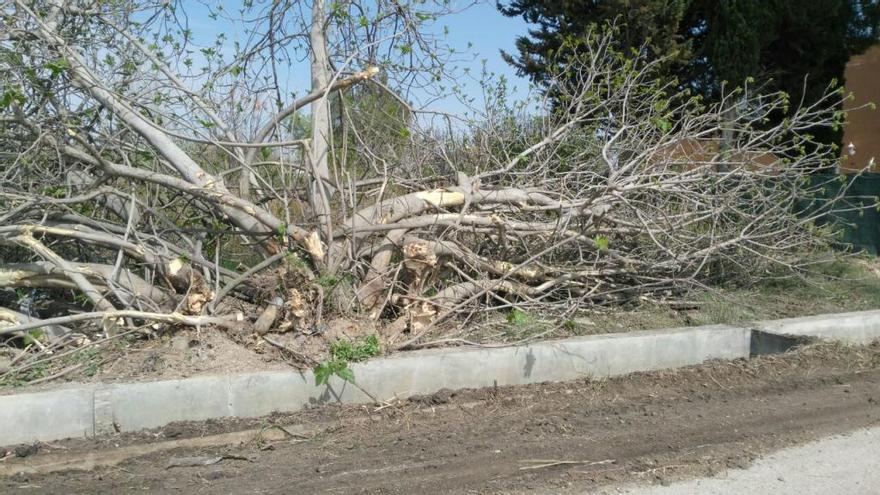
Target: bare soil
551,438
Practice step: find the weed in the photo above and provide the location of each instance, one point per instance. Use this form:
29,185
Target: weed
55,191
330,282
327,281
84,355
354,352
325,370
343,352
229,264
35,372
91,369
519,318
32,337
90,357
294,261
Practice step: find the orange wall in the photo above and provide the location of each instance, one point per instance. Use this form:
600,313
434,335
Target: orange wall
863,131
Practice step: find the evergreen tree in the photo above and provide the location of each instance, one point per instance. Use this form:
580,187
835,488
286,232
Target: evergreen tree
797,46
651,25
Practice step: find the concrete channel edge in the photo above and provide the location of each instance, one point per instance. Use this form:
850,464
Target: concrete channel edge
87,410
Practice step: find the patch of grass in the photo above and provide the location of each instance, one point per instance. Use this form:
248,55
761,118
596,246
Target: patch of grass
849,284
841,285
294,261
90,357
355,351
229,264
343,352
519,318
327,281
84,355
35,372
331,282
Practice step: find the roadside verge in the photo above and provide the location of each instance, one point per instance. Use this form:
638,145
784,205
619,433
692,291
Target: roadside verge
98,409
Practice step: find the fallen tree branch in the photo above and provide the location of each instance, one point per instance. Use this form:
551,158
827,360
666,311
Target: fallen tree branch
10,317
69,271
172,318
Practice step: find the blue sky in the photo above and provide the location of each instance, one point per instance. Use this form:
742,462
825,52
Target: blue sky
489,32
481,25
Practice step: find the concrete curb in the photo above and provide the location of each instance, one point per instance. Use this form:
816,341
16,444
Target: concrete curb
99,409
861,327
89,410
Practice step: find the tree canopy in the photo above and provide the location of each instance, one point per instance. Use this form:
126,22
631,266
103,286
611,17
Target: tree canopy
706,43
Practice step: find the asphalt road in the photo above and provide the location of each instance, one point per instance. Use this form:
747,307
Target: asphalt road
846,464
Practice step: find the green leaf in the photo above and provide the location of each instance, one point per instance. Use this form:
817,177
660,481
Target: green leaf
346,374
32,337
10,96
602,242
336,367
58,66
662,124
322,373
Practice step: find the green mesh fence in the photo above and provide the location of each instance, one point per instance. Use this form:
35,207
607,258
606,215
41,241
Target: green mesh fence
860,229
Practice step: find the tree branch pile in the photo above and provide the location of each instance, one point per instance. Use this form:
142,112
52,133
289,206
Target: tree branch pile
135,192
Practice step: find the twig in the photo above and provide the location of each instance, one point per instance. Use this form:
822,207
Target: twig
61,373
244,276
545,463
66,371
304,359
66,353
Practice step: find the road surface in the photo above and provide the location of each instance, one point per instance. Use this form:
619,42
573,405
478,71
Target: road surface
846,464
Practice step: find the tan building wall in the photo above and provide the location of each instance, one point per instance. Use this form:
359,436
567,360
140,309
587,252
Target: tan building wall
863,131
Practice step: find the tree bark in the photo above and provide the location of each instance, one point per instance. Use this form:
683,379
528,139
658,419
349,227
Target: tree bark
319,193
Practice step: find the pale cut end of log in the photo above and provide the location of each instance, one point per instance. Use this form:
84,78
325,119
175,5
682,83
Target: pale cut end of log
196,301
313,245
175,266
7,318
418,256
441,197
297,304
368,73
421,315
267,319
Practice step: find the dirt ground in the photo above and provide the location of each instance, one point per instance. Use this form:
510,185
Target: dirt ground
552,438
